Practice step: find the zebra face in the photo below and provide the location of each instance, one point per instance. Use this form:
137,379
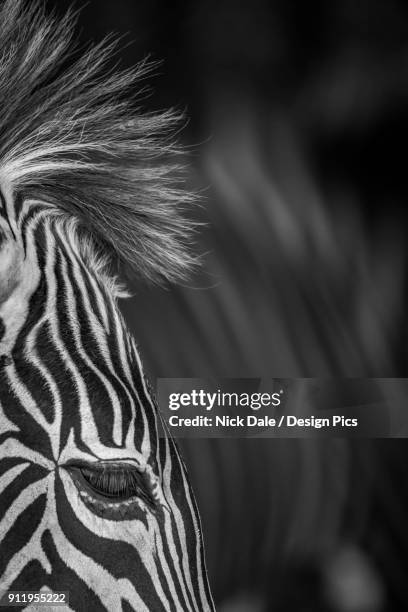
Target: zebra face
94,498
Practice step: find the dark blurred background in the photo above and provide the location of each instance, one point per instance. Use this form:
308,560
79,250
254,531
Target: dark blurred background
297,126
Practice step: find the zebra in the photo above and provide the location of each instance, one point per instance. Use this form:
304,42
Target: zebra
94,495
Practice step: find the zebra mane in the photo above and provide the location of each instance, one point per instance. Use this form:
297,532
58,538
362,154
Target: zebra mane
71,135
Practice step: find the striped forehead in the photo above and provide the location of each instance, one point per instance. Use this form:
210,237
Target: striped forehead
76,357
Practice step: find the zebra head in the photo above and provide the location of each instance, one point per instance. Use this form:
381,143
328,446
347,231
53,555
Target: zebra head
94,497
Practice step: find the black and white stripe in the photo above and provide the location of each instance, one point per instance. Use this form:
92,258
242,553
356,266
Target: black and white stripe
94,497
73,395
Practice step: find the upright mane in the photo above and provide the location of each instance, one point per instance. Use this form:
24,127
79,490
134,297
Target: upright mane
71,135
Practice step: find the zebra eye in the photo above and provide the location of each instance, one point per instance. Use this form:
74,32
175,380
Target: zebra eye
113,483
117,483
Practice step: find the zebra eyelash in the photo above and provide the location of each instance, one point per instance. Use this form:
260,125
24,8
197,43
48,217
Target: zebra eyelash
112,486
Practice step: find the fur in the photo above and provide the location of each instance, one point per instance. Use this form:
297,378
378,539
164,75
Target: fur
71,135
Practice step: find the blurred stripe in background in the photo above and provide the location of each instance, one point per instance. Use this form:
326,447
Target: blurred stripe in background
297,129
